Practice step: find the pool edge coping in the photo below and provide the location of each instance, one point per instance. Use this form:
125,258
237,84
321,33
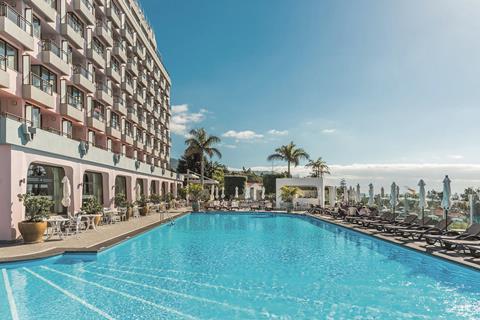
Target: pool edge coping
93,249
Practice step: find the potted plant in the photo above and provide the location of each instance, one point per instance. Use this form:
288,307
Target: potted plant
37,209
287,194
92,206
155,198
196,194
143,204
121,202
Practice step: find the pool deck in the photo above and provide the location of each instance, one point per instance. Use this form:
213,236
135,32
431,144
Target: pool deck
422,246
90,241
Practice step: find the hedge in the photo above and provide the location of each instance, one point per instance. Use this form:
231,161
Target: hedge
230,182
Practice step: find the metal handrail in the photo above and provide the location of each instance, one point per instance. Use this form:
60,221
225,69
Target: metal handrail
101,86
17,18
49,45
75,102
79,69
38,82
77,27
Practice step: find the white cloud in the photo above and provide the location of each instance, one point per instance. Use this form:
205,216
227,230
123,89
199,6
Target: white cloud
274,132
242,135
456,156
405,175
182,119
329,131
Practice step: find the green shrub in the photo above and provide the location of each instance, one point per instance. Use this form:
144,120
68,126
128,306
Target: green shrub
91,206
231,182
37,208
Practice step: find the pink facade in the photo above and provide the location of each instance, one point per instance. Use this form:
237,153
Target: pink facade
81,83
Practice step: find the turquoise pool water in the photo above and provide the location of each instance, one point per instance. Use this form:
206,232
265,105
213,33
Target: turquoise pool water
242,266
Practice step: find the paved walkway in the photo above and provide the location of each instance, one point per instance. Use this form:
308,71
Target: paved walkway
421,246
88,241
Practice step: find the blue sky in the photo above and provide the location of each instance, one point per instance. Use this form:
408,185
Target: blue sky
356,82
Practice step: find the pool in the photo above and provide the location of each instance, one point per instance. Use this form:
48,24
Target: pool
242,266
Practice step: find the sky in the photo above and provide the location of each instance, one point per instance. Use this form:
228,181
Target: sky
382,90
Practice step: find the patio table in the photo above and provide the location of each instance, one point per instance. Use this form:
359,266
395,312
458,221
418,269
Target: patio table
90,220
56,223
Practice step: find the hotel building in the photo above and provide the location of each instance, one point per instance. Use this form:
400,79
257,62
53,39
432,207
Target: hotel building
83,94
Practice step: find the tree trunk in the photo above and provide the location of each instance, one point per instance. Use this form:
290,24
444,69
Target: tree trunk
288,170
202,169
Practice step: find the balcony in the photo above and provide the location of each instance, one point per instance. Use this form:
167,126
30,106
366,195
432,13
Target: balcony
138,144
142,122
114,132
45,8
84,8
132,66
15,28
120,52
132,115
96,55
140,50
151,129
104,32
151,89
73,109
139,96
114,73
127,34
83,78
96,122
127,138
128,87
114,15
39,92
147,148
119,105
73,32
4,76
55,58
104,94
142,79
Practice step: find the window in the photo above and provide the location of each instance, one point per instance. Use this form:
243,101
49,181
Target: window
36,117
98,111
98,46
67,128
46,181
114,120
75,97
37,27
9,56
45,76
115,64
121,185
74,22
91,137
128,129
109,144
92,186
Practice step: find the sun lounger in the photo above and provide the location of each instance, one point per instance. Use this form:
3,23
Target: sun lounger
386,217
409,220
427,223
473,230
460,244
474,249
418,234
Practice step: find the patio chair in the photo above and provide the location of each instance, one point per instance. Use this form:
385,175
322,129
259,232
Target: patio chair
135,212
460,244
473,230
74,225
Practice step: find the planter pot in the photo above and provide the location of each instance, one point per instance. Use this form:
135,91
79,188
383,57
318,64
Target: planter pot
144,211
129,213
97,220
195,206
32,232
289,207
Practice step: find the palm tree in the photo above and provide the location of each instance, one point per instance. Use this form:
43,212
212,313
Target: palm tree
289,153
319,167
202,144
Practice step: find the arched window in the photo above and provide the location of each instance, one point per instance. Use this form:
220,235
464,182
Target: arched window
44,180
